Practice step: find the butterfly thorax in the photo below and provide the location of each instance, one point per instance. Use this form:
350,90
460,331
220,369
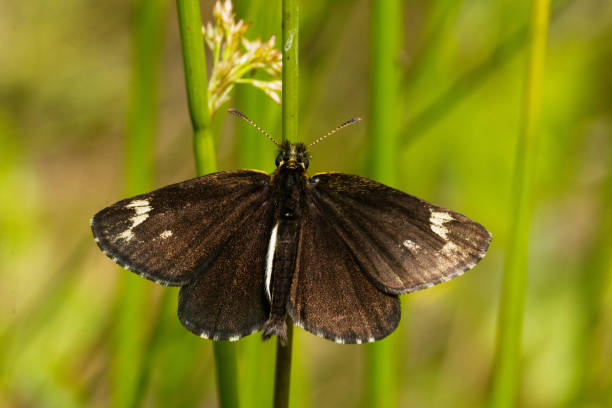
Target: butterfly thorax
289,183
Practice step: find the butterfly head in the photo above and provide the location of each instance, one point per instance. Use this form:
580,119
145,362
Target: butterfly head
292,156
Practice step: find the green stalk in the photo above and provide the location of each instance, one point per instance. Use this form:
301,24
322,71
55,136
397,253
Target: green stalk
290,70
282,375
133,295
196,82
256,152
466,84
507,360
290,99
194,60
382,385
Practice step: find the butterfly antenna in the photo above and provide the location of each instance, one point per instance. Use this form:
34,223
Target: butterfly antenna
250,122
342,125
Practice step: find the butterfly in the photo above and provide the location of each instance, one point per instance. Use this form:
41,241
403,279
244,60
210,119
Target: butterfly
332,251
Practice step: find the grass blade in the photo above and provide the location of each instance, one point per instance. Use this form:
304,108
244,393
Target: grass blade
194,61
507,362
290,70
290,100
384,84
133,295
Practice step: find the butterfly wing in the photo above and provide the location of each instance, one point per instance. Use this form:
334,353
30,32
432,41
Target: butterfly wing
331,296
227,301
401,242
170,234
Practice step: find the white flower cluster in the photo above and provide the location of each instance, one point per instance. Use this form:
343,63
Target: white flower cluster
234,56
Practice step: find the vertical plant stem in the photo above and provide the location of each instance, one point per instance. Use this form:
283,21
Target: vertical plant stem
507,362
133,295
194,61
384,84
381,375
257,152
290,70
282,375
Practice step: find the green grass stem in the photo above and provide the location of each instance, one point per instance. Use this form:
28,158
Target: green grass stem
257,152
290,100
290,70
418,124
194,61
506,375
133,295
383,120
196,81
282,372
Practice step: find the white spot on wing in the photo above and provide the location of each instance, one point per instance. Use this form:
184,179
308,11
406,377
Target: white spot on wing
270,260
141,208
437,220
139,219
451,249
138,203
127,234
411,245
166,234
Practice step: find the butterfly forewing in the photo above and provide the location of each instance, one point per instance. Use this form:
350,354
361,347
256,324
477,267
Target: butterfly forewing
169,234
400,241
330,295
227,300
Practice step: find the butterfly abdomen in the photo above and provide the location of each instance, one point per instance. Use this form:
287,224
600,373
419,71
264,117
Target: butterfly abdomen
283,248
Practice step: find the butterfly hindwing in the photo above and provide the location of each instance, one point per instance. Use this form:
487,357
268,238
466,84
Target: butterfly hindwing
402,242
169,234
227,300
330,295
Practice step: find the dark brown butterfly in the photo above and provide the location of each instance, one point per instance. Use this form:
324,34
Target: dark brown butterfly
333,251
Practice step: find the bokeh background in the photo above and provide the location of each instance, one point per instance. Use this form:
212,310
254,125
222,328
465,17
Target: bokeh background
69,73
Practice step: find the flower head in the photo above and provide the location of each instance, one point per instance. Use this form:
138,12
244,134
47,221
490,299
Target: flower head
234,56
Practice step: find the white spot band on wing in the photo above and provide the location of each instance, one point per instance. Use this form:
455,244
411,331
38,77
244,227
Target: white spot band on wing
270,260
141,208
437,220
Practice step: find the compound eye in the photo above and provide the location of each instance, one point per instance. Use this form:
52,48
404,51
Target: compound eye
279,159
305,161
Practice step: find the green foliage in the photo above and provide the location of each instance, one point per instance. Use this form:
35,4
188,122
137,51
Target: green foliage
509,342
384,120
458,113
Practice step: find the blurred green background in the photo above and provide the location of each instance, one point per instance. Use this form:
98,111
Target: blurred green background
68,75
